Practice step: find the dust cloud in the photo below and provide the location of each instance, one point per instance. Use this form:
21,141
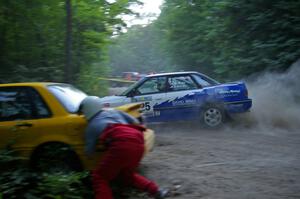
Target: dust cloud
276,100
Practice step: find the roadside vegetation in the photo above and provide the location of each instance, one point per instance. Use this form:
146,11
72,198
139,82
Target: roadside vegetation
58,40
18,181
226,39
77,41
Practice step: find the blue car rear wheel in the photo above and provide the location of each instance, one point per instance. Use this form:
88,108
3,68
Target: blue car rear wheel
212,116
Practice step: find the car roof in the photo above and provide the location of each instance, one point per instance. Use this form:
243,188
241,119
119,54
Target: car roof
173,73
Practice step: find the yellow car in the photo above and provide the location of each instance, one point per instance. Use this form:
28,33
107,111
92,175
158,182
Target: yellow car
39,121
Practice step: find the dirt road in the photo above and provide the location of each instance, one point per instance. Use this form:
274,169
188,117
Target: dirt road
235,162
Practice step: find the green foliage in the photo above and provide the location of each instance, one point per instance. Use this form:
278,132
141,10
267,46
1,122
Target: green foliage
33,34
139,49
224,38
88,80
7,157
18,182
22,183
60,185
14,180
230,38
26,48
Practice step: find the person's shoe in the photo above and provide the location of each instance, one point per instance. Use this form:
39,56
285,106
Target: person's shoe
162,193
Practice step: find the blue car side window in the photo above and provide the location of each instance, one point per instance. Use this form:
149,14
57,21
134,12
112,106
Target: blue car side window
180,83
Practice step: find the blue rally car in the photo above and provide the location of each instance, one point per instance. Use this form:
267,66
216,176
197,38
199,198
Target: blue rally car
180,96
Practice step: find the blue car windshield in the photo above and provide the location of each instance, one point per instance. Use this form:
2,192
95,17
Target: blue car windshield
69,96
131,87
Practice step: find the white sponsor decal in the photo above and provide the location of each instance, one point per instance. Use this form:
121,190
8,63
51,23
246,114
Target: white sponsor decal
229,91
183,102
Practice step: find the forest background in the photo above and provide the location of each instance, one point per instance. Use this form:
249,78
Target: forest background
78,41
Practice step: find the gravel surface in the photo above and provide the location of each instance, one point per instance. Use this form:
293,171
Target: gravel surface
232,162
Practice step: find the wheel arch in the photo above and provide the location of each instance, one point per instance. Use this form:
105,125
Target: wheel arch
33,158
212,103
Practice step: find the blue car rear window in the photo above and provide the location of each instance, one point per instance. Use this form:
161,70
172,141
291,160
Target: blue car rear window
205,81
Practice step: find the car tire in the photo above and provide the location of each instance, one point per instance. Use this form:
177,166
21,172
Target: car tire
212,116
55,157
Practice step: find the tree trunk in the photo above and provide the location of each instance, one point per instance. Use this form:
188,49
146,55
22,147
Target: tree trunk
68,65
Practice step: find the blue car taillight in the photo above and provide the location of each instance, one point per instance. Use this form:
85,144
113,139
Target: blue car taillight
246,92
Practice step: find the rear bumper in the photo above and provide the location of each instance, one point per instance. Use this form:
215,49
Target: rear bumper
238,106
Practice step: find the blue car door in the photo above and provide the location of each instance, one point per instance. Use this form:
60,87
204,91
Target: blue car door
150,93
181,99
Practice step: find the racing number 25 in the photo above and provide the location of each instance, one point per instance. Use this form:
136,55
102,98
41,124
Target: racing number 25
146,106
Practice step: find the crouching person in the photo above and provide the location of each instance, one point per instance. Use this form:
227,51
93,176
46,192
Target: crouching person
123,137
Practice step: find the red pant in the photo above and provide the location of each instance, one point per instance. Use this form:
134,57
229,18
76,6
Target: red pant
121,160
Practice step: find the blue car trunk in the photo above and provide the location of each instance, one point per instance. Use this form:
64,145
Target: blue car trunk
234,96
